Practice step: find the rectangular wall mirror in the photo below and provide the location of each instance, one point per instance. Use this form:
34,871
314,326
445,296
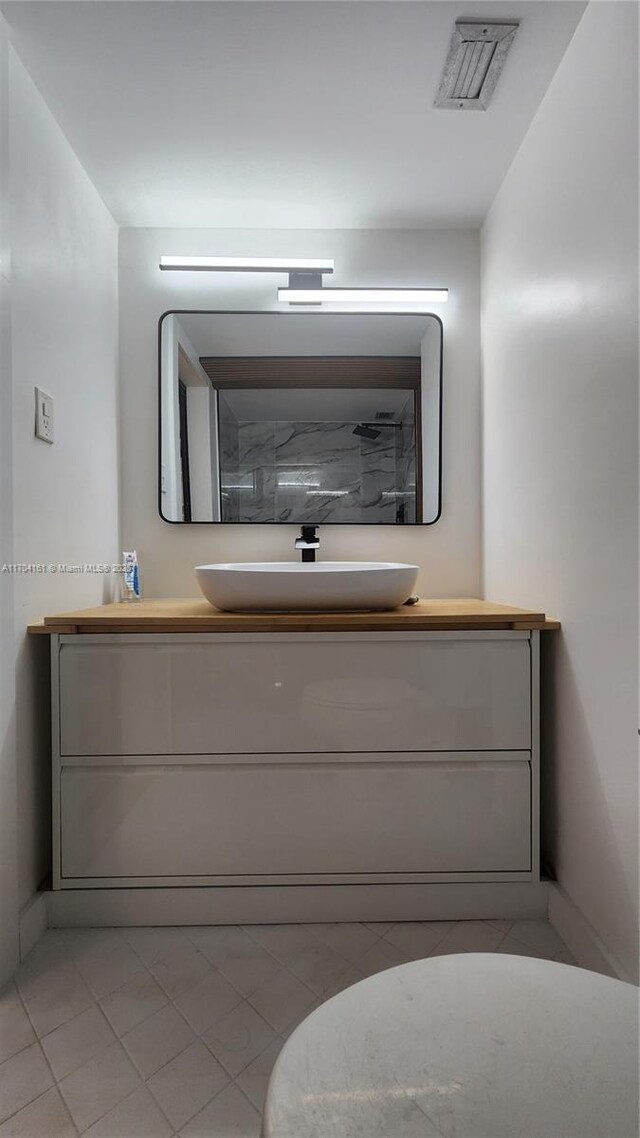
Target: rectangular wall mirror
300,418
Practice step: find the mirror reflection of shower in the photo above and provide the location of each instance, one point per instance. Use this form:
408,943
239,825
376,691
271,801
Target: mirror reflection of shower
311,454
300,419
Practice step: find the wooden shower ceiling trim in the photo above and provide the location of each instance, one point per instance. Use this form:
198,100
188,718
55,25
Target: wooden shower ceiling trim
313,371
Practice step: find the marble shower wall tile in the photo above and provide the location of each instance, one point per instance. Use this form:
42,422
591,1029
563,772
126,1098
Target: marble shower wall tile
320,443
322,508
406,464
379,476
328,458
258,504
256,444
228,429
313,472
228,441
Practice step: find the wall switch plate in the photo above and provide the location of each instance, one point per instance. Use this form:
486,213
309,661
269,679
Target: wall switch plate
44,416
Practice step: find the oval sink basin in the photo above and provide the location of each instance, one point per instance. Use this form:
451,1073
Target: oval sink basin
318,586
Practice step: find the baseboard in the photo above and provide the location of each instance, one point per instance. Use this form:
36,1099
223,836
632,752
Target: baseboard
277,904
33,923
580,937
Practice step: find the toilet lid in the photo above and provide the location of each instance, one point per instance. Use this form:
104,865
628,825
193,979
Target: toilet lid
464,1046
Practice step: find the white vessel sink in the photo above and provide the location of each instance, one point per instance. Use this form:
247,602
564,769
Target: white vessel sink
318,586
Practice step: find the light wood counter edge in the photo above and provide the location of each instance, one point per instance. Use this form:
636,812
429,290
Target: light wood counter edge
179,616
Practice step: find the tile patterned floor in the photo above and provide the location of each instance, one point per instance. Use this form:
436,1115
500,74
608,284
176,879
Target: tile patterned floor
153,1033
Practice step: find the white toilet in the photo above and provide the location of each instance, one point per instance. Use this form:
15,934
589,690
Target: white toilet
464,1046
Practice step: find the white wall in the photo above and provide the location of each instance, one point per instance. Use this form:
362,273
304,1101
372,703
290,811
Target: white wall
560,382
170,457
8,776
448,552
63,308
202,431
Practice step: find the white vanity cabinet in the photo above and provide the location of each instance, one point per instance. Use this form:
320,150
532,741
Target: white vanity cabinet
295,758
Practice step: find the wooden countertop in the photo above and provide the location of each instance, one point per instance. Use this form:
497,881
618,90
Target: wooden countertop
200,616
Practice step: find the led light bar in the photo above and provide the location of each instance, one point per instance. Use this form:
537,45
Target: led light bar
413,296
248,264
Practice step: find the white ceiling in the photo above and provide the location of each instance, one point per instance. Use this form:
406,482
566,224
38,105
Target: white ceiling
301,334
319,405
284,114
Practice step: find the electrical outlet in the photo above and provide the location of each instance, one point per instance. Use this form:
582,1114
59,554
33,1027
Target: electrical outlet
44,416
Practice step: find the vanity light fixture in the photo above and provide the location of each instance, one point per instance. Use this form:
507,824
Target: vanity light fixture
248,264
419,297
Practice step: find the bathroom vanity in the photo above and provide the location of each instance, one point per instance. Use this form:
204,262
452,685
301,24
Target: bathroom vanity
244,760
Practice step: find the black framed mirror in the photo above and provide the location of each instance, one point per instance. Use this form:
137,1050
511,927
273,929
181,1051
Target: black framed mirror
305,418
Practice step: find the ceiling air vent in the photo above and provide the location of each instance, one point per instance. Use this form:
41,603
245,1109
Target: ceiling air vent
476,57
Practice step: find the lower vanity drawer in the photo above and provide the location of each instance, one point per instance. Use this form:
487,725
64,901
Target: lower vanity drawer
464,813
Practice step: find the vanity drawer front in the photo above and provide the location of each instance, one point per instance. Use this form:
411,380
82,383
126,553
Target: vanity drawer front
272,695
463,814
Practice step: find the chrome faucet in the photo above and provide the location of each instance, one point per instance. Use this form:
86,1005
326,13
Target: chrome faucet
308,542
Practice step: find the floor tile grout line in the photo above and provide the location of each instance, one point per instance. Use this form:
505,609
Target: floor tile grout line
144,1018
58,1082
318,995
525,944
180,1052
99,999
104,996
390,943
69,959
215,968
46,1059
20,1049
97,956
20,968
256,1056
108,1111
246,1096
180,928
130,1057
361,924
268,951
198,1037
231,1079
488,950
505,934
37,1099
151,1091
110,993
281,968
66,1023
290,970
314,935
281,965
503,937
171,1002
121,1102
232,1083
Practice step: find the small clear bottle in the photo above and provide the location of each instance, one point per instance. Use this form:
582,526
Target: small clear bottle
131,578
